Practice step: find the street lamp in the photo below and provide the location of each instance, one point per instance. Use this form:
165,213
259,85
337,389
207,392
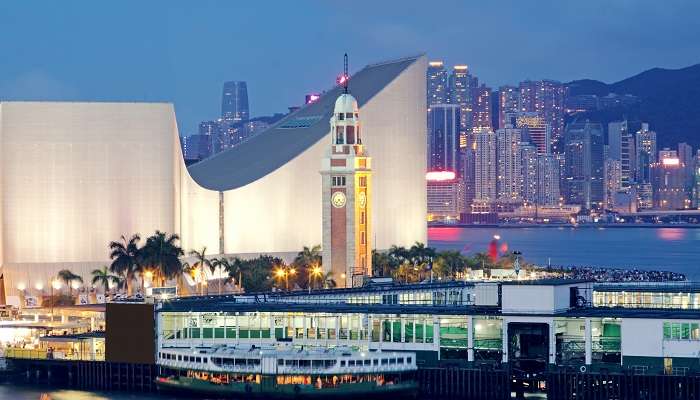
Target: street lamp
315,271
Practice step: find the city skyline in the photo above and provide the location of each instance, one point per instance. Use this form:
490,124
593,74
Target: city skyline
168,66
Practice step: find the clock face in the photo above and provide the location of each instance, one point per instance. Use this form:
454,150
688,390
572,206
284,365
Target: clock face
338,199
362,199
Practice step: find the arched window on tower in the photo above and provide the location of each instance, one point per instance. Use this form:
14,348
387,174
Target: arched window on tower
357,135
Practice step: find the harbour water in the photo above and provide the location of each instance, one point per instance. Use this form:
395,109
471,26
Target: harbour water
649,248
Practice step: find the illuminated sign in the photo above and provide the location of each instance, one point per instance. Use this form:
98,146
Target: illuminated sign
312,98
436,64
439,176
671,161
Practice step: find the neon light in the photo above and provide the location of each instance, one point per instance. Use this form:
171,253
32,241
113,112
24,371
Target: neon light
671,161
438,176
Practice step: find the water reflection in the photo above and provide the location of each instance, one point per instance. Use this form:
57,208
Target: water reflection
671,234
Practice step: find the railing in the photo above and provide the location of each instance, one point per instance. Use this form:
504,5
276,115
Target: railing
28,354
606,345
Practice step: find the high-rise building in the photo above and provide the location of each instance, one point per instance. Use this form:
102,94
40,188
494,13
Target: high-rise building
484,165
234,102
536,129
584,166
529,167
509,171
621,147
213,130
508,104
646,153
613,181
347,198
685,154
445,196
461,94
696,181
547,98
443,137
481,107
548,180
667,182
437,90
197,147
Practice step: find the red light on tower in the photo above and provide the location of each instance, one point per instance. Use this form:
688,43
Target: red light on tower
439,176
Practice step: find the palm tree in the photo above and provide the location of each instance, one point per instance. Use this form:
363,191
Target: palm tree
202,262
383,264
449,263
162,253
69,277
328,281
125,257
104,278
307,259
231,266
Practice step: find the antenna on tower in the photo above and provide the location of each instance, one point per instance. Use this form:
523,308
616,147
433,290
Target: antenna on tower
346,77
343,78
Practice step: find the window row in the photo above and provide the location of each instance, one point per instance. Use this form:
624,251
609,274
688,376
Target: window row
681,331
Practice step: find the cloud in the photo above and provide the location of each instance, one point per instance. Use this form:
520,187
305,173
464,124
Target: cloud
36,85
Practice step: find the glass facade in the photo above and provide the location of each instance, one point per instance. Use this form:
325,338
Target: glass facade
678,299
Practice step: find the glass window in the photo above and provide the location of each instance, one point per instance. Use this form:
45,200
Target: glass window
350,134
695,331
675,331
667,330
207,333
339,135
348,115
685,331
341,117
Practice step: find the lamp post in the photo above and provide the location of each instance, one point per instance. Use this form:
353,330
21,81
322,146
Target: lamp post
316,271
284,272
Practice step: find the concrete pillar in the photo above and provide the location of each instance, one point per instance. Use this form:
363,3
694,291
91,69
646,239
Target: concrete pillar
504,341
552,343
589,341
470,338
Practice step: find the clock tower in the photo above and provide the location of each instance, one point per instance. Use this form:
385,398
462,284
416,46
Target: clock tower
346,173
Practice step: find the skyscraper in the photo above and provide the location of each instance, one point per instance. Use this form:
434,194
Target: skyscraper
667,182
613,181
621,148
437,84
481,107
484,165
536,129
685,154
509,171
461,94
547,98
234,102
584,166
529,167
548,180
645,153
443,137
508,100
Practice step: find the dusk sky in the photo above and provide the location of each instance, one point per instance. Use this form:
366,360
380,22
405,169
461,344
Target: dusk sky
182,52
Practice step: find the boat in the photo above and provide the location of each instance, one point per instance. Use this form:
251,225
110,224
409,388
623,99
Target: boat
286,372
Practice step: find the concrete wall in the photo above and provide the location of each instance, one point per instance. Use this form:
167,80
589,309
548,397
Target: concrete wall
75,176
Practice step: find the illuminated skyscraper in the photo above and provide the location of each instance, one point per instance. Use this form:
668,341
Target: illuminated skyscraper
437,90
584,165
528,156
667,182
461,94
481,107
547,180
484,165
234,102
645,153
508,100
685,154
547,98
622,148
613,181
536,129
510,175
443,137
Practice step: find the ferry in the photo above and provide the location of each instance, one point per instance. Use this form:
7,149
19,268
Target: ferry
287,372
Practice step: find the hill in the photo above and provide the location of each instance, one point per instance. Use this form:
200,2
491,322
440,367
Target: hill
669,101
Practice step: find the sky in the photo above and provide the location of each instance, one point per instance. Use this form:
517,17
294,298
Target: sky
182,51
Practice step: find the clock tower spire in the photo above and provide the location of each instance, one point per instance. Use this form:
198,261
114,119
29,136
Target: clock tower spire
346,174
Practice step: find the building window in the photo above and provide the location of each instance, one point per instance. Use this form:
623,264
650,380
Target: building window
681,331
338,181
341,116
339,135
362,237
363,181
362,218
350,134
348,115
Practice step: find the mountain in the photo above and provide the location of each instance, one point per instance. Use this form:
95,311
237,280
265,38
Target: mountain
669,101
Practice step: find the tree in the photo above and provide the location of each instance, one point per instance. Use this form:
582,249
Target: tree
449,263
328,281
125,257
162,253
104,278
306,260
231,266
68,277
257,273
383,264
200,264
